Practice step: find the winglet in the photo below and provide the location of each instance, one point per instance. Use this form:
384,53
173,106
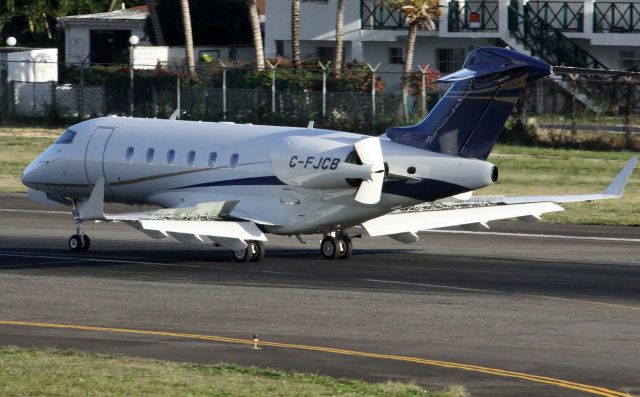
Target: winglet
617,185
92,209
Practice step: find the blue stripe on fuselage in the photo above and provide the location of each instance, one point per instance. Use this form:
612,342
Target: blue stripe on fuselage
255,181
423,189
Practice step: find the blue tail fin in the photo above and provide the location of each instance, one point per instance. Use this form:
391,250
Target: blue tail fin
469,118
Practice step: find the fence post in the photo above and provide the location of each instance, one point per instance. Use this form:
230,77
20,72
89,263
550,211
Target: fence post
324,88
33,85
273,85
424,88
81,96
131,80
627,114
224,89
373,91
574,126
178,91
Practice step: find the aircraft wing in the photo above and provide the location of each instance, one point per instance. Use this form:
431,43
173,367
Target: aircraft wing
403,225
227,234
189,225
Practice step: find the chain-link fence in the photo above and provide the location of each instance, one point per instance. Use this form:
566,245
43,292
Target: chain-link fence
359,100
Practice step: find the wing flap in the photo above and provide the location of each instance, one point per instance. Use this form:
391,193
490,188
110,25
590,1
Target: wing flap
412,222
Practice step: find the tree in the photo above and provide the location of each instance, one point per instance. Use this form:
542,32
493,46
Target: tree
295,33
155,21
112,4
188,36
339,31
257,34
418,14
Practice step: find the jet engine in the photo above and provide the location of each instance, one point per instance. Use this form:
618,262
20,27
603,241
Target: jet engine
317,163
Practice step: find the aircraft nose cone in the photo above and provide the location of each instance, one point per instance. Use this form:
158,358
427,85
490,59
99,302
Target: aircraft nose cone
28,175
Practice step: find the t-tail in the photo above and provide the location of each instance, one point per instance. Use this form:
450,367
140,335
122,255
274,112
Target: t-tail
471,115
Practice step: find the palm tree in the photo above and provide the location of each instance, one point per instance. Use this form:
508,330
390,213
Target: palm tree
421,14
339,31
418,14
295,32
112,4
257,34
188,36
155,21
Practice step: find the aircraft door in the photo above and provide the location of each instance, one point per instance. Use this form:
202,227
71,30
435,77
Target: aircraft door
94,157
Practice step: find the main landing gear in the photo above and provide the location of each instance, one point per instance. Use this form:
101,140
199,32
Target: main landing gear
339,247
254,252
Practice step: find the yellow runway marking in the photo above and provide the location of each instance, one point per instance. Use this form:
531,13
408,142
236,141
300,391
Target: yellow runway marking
593,390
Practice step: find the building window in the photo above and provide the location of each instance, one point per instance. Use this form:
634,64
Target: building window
234,160
129,155
450,59
171,154
325,54
150,153
213,156
280,47
628,61
395,56
191,158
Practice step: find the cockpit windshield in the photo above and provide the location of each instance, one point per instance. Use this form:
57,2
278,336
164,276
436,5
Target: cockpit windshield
67,137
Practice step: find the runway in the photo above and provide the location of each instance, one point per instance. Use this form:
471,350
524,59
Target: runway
524,310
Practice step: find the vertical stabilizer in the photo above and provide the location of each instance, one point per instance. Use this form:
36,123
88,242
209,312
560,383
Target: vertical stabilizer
470,116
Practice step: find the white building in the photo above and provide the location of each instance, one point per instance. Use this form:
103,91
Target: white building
585,33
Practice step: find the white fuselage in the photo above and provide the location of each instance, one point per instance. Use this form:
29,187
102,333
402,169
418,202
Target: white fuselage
175,164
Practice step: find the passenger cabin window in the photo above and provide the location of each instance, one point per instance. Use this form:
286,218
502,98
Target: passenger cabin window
129,155
171,154
213,156
150,153
66,137
191,158
234,160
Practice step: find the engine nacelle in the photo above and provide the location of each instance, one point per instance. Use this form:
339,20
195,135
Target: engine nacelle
315,163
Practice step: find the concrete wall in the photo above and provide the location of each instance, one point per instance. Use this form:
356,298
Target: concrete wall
33,66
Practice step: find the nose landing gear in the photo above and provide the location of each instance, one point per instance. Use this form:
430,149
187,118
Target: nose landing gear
339,247
79,242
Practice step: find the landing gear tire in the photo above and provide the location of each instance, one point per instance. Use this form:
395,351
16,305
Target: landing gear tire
86,244
254,252
258,254
329,247
346,248
75,243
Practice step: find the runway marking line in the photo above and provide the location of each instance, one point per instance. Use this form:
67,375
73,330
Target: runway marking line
594,390
558,298
557,236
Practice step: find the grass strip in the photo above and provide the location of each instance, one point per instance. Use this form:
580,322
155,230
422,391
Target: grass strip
40,372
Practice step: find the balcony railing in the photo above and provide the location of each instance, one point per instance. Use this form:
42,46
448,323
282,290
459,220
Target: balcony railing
376,14
567,16
473,15
616,17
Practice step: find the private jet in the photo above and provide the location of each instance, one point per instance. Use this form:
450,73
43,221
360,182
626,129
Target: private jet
233,184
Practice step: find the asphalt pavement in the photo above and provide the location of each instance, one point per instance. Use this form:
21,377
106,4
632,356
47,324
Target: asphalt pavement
523,309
